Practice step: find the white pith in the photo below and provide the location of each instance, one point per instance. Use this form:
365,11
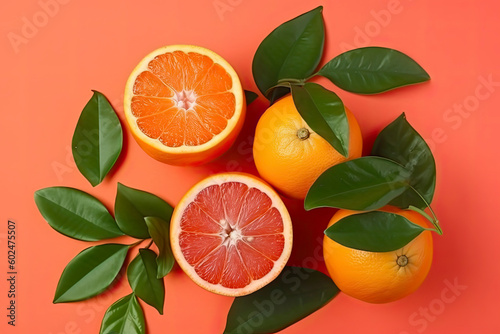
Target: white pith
234,235
185,99
230,233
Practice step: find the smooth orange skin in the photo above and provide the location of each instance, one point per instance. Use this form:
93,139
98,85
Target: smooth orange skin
290,164
195,158
376,277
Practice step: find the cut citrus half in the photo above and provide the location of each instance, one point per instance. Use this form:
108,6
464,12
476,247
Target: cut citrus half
184,104
231,234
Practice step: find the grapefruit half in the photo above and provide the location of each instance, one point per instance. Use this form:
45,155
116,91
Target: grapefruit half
231,234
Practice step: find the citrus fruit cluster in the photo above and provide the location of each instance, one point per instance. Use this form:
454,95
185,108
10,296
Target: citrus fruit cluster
231,233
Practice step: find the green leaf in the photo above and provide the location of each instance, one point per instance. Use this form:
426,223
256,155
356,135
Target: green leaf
97,141
292,50
159,230
325,114
373,70
292,296
366,183
142,275
133,205
374,231
277,93
411,151
76,214
90,272
124,316
250,96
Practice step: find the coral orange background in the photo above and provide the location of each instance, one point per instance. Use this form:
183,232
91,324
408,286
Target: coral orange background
55,51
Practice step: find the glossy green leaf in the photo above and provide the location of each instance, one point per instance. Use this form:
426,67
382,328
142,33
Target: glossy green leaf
277,93
250,96
325,114
366,183
90,272
159,230
133,205
373,70
142,274
374,231
124,316
292,296
292,50
76,214
98,138
400,142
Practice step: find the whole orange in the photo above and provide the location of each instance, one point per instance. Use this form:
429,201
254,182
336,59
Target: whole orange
289,155
380,277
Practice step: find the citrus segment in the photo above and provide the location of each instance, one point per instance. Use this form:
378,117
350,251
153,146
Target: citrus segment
268,223
231,233
184,104
196,246
256,263
198,221
211,267
234,191
148,84
234,275
269,245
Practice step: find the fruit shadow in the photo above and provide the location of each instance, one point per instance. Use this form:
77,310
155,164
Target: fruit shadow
308,228
239,158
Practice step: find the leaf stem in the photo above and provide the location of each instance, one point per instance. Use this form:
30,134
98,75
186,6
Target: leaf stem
291,80
288,82
422,212
284,84
432,219
311,76
436,221
136,243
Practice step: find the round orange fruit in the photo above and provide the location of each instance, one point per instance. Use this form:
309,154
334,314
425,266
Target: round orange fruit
231,234
380,277
184,104
289,155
